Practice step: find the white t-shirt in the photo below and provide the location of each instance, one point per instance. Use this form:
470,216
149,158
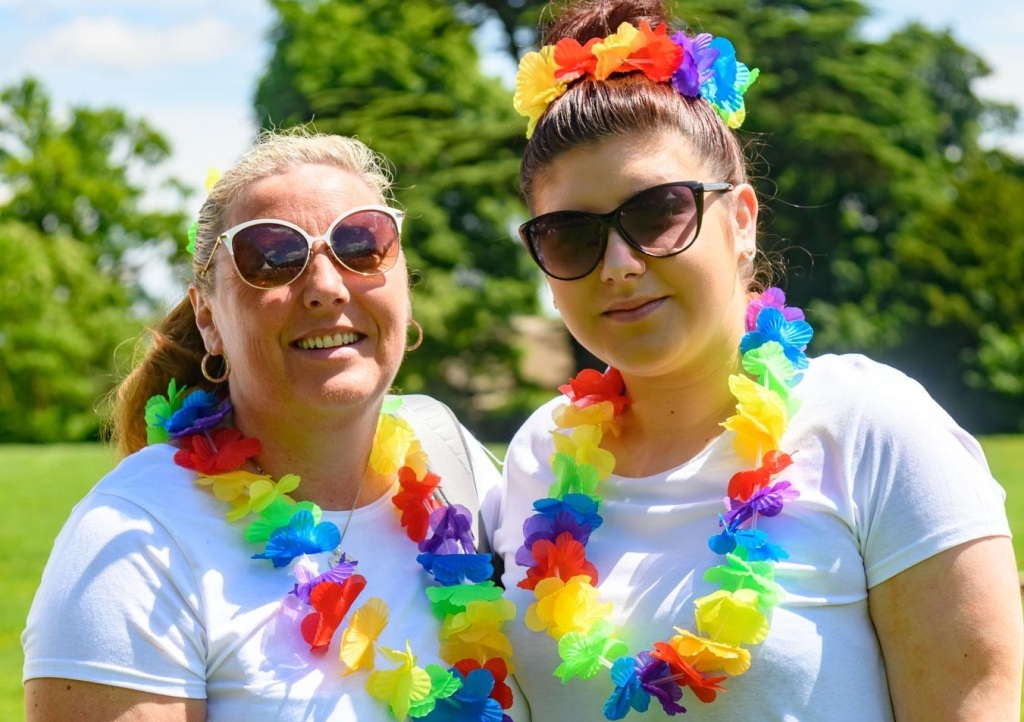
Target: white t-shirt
149,588
886,480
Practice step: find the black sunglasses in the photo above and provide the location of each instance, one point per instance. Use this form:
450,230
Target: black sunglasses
660,221
269,253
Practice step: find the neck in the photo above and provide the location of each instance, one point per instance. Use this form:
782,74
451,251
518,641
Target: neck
328,451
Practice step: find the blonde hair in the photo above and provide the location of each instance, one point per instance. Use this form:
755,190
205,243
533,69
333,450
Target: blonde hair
174,348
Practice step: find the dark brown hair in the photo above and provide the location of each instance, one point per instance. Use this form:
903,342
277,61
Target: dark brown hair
625,105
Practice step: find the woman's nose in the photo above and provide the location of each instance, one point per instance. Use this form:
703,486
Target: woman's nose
620,259
325,283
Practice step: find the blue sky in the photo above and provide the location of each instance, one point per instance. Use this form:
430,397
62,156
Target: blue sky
190,67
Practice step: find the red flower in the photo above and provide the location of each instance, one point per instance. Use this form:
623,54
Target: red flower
574,60
592,387
565,559
659,58
416,501
227,451
331,601
501,693
743,484
706,689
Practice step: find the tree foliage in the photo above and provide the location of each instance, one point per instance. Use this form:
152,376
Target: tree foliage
405,78
69,221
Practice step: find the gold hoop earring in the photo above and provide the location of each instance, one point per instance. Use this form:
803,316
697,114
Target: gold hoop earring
419,340
208,376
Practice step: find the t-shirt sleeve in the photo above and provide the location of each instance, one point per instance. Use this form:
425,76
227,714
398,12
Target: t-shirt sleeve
921,483
117,605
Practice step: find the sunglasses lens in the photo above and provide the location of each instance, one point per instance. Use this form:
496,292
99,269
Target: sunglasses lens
662,220
566,245
269,255
366,242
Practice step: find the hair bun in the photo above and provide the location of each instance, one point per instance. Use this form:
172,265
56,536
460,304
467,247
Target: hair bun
599,18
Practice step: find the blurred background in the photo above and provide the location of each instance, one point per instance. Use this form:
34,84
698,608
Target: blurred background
883,137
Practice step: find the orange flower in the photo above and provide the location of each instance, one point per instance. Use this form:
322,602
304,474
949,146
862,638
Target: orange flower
659,58
564,559
705,689
574,60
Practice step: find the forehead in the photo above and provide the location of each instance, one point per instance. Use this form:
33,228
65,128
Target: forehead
301,194
599,177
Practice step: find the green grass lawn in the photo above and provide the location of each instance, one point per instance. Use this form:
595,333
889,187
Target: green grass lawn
42,483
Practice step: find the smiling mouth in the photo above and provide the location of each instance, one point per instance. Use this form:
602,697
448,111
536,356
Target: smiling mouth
338,339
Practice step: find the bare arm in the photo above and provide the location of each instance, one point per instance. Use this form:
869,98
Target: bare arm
67,700
952,635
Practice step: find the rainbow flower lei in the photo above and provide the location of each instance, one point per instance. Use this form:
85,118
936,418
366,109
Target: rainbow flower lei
701,66
564,582
471,608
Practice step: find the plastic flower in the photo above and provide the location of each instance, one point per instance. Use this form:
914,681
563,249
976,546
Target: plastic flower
443,684
772,369
584,446
416,501
200,410
771,298
628,691
501,693
477,632
224,450
452,528
277,514
564,607
572,478
728,82
540,527
230,485
584,653
772,325
301,536
573,60
656,679
583,508
658,57
391,444
731,617
565,558
766,502
400,687
536,86
450,569
601,414
707,655
614,49
686,675
306,578
760,418
446,601
739,573
159,409
592,387
263,492
754,542
471,702
331,600
696,65
360,636
744,483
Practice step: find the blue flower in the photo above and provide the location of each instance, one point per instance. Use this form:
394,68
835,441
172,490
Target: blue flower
302,536
754,541
470,703
451,569
582,507
793,336
628,690
199,411
728,80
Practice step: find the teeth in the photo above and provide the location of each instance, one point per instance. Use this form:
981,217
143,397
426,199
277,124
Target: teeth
338,339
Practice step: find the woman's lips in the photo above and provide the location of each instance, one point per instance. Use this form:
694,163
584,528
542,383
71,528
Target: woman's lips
633,310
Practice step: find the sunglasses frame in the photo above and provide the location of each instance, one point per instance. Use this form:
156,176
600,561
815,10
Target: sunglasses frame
227,237
609,220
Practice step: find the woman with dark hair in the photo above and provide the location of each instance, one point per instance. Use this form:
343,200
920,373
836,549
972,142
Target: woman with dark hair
717,522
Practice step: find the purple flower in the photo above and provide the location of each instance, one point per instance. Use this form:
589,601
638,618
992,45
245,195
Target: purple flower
772,298
766,502
656,679
451,569
307,580
302,536
452,523
698,58
201,410
582,507
772,325
539,527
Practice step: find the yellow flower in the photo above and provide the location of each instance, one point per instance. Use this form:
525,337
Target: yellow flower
731,618
402,686
584,445
536,85
230,485
416,459
391,444
564,607
760,419
615,48
477,632
357,640
706,655
601,414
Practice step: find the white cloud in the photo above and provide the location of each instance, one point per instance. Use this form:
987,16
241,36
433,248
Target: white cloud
113,43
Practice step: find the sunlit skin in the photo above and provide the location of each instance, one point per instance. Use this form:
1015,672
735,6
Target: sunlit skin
672,326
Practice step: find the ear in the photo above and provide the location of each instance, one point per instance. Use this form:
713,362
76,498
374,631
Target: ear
205,321
745,218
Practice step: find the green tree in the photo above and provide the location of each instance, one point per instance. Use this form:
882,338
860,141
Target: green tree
68,285
405,78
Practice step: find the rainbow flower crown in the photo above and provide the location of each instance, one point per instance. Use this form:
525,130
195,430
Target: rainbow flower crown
700,66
